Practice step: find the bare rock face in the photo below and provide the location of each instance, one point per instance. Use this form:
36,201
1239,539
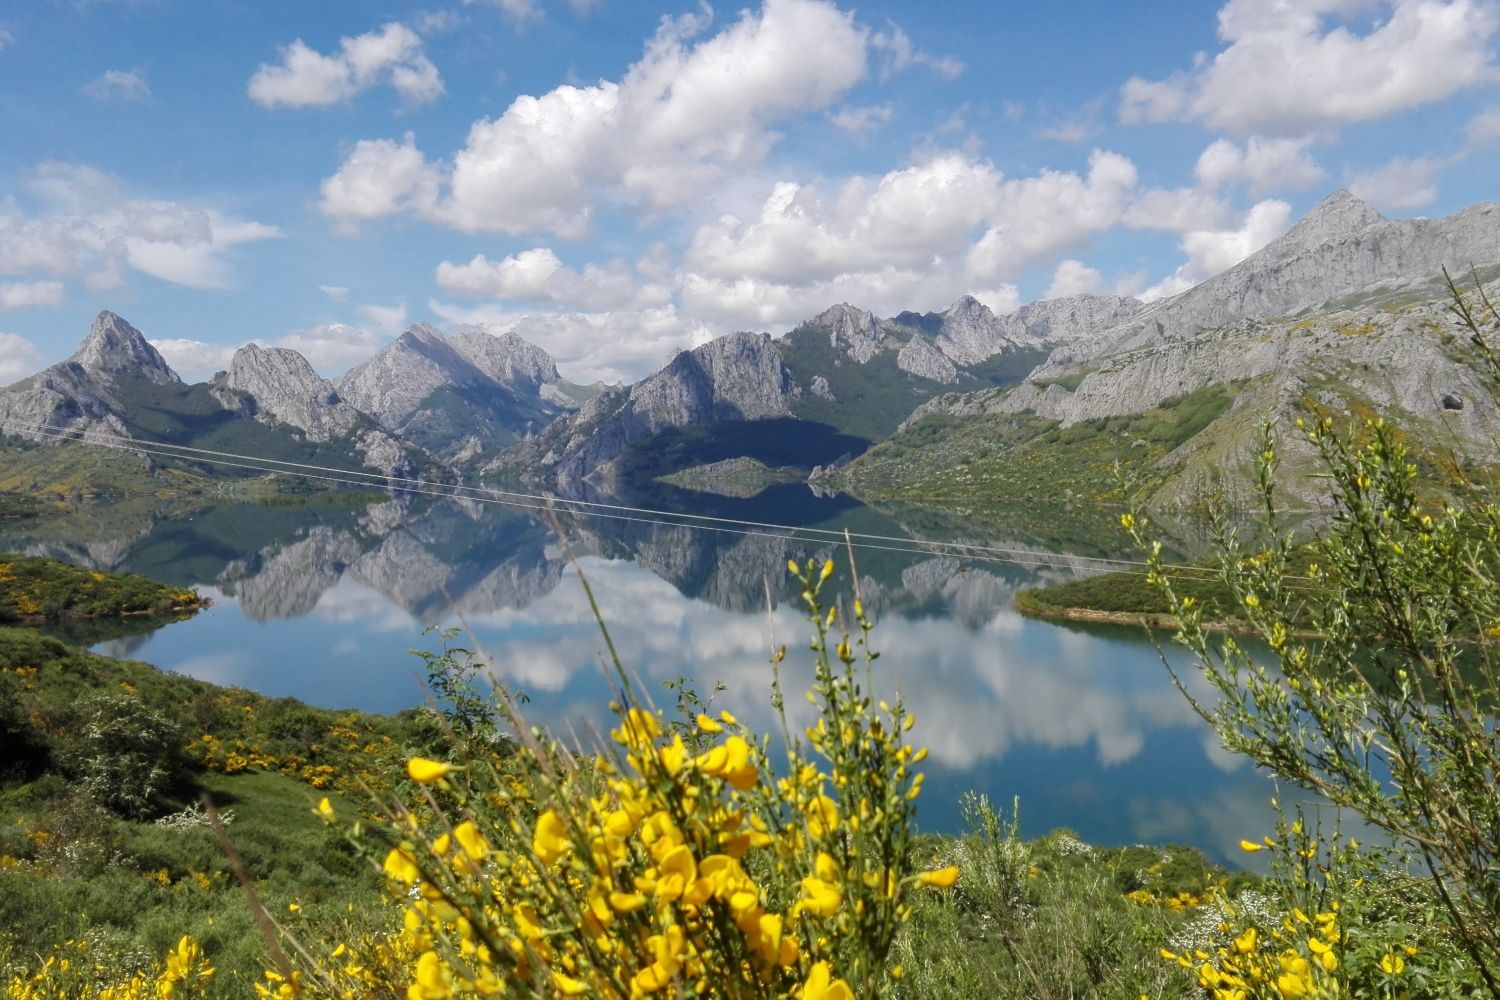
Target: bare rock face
737,377
1341,248
287,390
968,332
393,384
918,357
114,348
852,332
277,385
78,396
457,396
819,387
507,358
56,402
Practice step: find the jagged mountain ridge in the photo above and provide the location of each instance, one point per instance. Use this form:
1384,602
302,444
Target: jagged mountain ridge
78,396
1185,418
465,394
270,404
849,374
735,378
118,384
1342,247
461,395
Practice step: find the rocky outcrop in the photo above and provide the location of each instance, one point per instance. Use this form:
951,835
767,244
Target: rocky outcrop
1342,248
737,377
508,359
851,332
116,375
286,390
114,348
969,332
79,397
394,384
920,358
455,396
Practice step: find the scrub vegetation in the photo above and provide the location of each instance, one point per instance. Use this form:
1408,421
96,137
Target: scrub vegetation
457,851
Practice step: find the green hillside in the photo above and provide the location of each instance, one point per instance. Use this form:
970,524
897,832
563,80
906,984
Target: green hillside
1023,457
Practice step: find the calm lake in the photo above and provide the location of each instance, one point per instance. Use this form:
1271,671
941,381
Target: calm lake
322,601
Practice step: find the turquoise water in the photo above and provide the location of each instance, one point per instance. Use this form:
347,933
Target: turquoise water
323,603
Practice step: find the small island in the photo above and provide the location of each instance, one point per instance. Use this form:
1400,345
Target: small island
35,591
733,477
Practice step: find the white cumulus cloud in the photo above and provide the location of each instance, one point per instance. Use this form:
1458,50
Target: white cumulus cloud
1402,184
378,178
1210,251
1052,212
1298,66
814,232
18,358
77,223
688,111
194,360
307,78
539,275
1266,164
1073,277
21,294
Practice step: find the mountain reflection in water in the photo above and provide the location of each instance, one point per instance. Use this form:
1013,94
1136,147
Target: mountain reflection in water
323,601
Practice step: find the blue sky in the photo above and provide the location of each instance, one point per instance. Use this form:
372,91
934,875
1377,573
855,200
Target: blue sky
617,181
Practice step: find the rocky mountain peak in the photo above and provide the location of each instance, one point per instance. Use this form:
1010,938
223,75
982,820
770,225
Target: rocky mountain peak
507,358
851,331
276,371
1336,217
968,305
968,331
422,333
287,390
114,348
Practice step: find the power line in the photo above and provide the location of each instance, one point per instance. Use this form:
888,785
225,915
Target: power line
621,512
382,480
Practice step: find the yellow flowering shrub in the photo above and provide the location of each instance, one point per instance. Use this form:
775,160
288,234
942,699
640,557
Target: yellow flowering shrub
1341,921
73,971
676,860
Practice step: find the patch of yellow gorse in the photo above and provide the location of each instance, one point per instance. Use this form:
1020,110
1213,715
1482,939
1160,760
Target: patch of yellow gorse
74,972
677,862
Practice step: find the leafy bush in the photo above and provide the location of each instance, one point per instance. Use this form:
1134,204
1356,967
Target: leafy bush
126,756
649,867
1383,692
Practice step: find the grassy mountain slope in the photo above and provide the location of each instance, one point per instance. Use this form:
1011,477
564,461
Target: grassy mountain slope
871,399
1182,419
1022,456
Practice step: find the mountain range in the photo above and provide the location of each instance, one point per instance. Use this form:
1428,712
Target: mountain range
1343,313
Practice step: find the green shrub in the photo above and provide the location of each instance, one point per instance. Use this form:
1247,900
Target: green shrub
1381,693
126,756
